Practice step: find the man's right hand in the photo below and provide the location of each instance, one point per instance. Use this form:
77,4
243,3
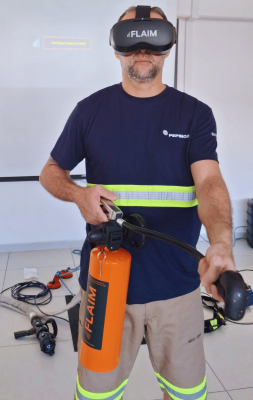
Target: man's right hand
88,201
56,181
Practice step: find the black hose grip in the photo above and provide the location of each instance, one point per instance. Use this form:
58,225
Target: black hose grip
20,334
232,288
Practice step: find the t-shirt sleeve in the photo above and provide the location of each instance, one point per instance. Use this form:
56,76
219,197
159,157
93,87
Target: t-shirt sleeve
203,142
69,148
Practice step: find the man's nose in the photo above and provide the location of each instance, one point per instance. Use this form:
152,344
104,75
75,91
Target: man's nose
142,51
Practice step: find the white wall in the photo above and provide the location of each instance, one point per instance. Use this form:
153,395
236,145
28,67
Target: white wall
218,9
215,65
32,219
32,117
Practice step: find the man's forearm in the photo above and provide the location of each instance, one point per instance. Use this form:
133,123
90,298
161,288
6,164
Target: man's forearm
215,211
57,182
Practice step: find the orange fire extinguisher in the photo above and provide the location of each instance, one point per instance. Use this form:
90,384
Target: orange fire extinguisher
105,309
107,287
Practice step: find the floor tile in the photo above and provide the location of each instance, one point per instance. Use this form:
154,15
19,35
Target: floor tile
142,384
13,321
40,258
228,351
76,257
242,248
2,275
3,261
27,373
45,275
202,246
218,396
212,382
243,394
243,261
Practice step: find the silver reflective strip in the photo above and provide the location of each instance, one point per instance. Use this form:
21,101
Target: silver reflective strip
114,396
178,196
194,396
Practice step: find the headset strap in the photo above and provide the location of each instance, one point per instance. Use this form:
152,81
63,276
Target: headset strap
142,12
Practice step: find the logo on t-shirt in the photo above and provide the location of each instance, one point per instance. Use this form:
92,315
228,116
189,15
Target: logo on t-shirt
176,135
214,134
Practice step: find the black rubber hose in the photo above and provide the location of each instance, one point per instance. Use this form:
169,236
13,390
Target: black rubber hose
230,284
166,238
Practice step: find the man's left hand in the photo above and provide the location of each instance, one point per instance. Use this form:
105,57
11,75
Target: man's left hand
219,258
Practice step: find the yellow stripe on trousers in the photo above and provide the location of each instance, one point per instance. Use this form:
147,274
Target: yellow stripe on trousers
82,394
196,393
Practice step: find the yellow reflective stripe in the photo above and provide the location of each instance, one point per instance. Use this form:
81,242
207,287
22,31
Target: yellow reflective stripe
197,393
214,324
221,316
203,397
148,188
115,398
153,195
162,386
98,396
119,397
156,203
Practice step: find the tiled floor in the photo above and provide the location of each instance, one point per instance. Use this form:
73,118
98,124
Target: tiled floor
26,373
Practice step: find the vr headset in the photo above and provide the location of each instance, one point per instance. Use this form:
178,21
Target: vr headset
153,34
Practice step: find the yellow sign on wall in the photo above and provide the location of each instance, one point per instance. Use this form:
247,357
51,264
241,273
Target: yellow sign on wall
66,43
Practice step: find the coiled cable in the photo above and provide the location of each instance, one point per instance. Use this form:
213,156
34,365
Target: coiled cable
31,298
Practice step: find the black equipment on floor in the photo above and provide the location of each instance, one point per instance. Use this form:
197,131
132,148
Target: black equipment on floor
218,319
44,336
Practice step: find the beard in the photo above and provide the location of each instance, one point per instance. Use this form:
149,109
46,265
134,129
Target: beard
141,76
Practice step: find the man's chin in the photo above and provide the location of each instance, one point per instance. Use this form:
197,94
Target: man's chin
143,72
141,78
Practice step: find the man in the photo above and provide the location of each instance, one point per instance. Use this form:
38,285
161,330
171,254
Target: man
150,148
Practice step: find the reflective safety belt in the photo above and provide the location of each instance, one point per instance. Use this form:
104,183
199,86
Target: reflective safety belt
82,394
197,393
153,195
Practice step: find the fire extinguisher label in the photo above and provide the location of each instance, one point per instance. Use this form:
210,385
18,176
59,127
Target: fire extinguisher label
94,317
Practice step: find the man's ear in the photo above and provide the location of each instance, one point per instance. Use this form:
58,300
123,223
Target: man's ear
166,55
116,55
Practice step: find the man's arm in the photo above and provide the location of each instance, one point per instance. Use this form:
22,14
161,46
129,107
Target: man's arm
57,181
214,209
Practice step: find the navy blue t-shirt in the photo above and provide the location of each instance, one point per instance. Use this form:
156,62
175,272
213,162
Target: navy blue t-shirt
142,149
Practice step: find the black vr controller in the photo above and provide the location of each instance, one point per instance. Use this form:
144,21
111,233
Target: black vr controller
230,285
154,34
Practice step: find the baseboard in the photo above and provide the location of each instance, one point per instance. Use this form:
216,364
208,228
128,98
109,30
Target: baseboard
64,244
14,247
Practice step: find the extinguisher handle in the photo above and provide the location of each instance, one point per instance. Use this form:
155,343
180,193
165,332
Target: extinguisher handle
232,288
